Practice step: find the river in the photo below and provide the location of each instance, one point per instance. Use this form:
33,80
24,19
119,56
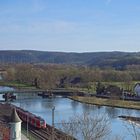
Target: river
66,108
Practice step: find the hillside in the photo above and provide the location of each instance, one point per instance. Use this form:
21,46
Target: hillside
101,59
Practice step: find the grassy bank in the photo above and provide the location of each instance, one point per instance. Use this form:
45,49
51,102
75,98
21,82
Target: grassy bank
16,85
107,102
93,85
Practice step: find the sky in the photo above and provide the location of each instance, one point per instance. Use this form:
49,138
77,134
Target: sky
70,25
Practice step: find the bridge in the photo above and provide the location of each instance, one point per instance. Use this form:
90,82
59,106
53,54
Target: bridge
62,92
22,91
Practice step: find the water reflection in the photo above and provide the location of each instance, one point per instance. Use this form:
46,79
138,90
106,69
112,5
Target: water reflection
21,96
74,105
112,112
66,108
4,89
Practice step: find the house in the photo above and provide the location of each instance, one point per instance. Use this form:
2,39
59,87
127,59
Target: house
10,123
113,91
137,89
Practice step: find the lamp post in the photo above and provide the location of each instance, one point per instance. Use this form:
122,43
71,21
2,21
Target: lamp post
53,108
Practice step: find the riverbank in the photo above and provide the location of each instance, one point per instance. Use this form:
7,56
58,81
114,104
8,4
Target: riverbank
107,102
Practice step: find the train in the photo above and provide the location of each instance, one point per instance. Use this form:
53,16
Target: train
33,120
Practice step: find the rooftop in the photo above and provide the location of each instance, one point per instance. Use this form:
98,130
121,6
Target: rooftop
14,116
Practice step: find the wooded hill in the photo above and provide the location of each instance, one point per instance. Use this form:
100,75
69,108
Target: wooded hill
117,60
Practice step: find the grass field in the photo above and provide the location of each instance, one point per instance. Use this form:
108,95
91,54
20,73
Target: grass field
107,102
16,85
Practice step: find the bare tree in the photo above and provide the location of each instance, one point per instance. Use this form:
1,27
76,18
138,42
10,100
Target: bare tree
133,129
117,137
87,127
132,125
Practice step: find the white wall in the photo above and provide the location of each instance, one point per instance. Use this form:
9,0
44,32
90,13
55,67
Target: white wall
15,131
137,89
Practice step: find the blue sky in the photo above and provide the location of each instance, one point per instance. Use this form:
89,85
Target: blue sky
70,25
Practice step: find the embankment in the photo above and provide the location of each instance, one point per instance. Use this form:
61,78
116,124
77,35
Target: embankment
107,102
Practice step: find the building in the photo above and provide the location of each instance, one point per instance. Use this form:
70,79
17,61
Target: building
4,131
137,89
15,126
10,123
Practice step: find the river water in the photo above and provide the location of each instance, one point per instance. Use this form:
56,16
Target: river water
66,108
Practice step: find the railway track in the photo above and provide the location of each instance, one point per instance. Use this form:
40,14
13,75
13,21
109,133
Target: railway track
40,134
57,135
47,134
44,134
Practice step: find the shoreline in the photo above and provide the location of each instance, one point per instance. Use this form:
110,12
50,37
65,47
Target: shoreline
107,102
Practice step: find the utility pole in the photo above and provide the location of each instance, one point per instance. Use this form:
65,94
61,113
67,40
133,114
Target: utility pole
53,122
27,126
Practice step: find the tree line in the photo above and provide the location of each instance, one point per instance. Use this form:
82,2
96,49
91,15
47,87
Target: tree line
63,76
